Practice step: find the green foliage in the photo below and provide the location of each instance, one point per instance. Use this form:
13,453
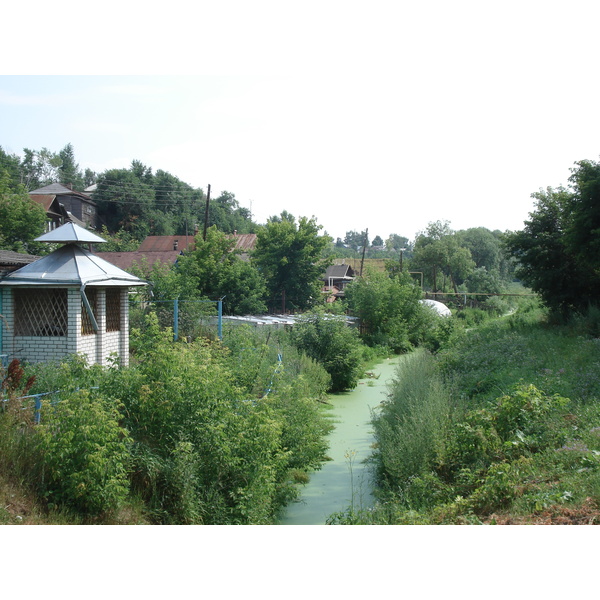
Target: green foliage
558,248
84,454
331,342
484,450
289,257
389,310
21,219
216,271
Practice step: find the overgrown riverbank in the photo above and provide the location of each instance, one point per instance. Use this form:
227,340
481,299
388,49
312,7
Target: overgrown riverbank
189,433
502,427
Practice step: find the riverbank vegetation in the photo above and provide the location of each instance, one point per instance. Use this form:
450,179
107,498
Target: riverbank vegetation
501,427
195,432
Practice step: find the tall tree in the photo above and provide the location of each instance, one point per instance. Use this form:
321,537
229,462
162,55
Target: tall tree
439,255
39,168
68,170
124,202
547,262
217,271
290,257
21,219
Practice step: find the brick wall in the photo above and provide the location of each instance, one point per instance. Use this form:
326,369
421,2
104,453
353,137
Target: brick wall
96,347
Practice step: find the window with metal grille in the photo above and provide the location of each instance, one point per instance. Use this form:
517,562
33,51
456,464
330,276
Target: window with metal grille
41,312
113,309
86,323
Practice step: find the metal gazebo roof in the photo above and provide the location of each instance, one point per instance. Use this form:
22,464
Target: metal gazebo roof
70,233
71,265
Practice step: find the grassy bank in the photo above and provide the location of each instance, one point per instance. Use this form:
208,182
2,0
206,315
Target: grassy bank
503,427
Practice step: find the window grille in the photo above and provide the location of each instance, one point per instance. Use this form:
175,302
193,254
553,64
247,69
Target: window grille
86,324
41,312
113,309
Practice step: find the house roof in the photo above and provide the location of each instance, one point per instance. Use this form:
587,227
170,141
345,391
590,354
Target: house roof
70,232
164,243
125,260
10,261
71,265
244,241
58,189
339,272
45,200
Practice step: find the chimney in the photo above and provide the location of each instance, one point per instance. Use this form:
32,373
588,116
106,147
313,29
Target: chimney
196,229
175,244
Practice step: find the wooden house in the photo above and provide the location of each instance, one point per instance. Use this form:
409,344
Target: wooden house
63,204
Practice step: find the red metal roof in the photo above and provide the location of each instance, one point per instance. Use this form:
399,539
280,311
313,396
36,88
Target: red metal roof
165,243
125,260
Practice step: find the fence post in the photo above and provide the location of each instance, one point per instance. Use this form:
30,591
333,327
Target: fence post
220,320
37,416
175,319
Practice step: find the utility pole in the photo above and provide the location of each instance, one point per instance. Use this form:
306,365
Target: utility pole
206,212
362,261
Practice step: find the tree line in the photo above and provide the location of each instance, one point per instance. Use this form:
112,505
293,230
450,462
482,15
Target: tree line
554,254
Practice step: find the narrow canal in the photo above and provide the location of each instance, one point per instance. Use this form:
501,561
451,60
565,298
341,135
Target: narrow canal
345,480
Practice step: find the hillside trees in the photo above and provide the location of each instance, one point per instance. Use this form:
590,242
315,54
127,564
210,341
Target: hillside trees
226,213
289,257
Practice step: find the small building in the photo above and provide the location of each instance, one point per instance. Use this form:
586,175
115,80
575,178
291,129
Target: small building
68,302
336,278
63,204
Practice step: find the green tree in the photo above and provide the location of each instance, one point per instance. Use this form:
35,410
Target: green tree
226,213
388,309
11,164
21,219
289,256
583,229
546,262
439,254
356,240
396,242
125,201
68,170
215,269
39,168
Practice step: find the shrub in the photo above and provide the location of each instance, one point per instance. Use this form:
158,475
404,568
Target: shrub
85,454
328,340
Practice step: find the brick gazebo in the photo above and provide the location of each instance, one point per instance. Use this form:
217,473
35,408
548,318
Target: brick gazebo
69,302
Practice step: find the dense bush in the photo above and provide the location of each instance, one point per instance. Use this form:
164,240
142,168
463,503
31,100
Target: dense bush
327,339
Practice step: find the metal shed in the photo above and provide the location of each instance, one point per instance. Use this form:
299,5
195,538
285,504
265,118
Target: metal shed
68,302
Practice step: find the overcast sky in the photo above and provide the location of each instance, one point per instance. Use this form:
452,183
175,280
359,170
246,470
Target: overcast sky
378,115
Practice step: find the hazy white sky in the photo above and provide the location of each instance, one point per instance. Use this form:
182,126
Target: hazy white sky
378,115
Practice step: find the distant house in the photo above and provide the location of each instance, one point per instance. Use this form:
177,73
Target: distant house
65,205
336,278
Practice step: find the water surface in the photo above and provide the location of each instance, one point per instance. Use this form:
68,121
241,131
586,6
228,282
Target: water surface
345,480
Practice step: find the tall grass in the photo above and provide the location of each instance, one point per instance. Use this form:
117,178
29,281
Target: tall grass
411,425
